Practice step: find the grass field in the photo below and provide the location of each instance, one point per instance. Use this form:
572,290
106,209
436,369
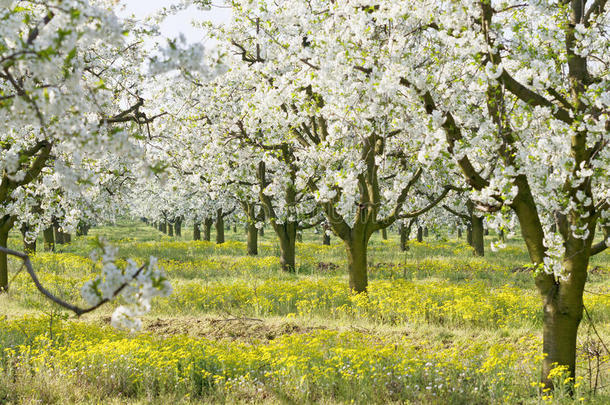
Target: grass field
437,327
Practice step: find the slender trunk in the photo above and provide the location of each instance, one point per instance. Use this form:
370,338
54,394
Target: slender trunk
178,227
196,231
170,229
67,237
234,228
207,229
357,264
49,239
384,234
4,231
28,247
163,227
252,239
469,234
485,231
299,236
261,231
325,238
420,234
220,227
501,235
425,231
478,241
405,231
459,232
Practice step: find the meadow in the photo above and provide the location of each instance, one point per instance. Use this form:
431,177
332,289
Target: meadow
438,326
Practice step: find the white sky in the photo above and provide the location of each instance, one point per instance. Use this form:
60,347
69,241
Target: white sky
181,22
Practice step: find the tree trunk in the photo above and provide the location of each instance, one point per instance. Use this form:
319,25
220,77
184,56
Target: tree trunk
207,229
563,310
196,231
287,234
252,239
163,227
234,228
67,237
384,234
405,231
4,231
28,247
469,234
420,234
59,235
178,227
49,239
425,231
170,229
478,241
220,227
357,265
325,238
299,236
261,231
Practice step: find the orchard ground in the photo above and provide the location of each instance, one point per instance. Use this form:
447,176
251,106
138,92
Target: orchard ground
437,326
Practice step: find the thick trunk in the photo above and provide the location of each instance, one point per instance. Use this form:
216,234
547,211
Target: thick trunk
28,247
252,239
207,229
563,310
196,231
220,227
49,239
170,229
384,234
3,260
420,234
287,234
478,241
357,265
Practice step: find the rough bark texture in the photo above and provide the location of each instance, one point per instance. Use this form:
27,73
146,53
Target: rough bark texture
252,239
196,231
207,229
357,265
478,240
287,234
49,239
220,227
3,260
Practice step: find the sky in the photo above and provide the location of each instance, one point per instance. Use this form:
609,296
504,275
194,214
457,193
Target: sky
181,22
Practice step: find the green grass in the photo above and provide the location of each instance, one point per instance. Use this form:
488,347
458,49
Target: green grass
438,326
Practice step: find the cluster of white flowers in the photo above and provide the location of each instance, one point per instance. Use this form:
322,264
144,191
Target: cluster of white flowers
135,285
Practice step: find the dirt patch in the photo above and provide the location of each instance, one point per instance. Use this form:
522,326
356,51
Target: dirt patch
246,329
